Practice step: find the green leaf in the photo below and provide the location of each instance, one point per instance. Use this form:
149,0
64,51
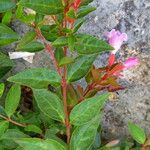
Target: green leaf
87,44
12,99
46,7
36,78
71,13
6,5
33,46
77,25
33,128
86,2
7,18
35,143
28,37
5,64
83,136
80,68
84,10
87,110
12,134
71,41
65,61
59,54
61,41
3,127
2,87
7,35
49,104
137,133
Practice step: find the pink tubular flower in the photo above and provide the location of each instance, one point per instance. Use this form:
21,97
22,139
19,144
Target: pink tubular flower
131,62
115,39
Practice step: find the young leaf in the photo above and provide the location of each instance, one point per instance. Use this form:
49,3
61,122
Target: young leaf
59,54
3,127
87,110
137,133
80,68
5,64
35,143
33,128
65,61
46,7
83,136
61,41
6,5
77,25
71,13
2,87
12,99
84,10
36,78
7,18
49,104
87,44
7,35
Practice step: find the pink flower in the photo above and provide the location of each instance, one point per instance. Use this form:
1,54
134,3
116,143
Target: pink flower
116,38
131,62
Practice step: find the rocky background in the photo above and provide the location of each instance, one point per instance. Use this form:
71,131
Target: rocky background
132,104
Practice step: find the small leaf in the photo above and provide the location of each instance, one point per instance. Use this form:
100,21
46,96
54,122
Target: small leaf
77,25
5,64
61,41
71,13
84,10
33,128
6,5
85,2
2,87
46,7
35,143
65,61
49,104
36,78
80,68
87,44
7,35
7,18
137,133
12,99
59,54
3,127
83,136
71,41
88,109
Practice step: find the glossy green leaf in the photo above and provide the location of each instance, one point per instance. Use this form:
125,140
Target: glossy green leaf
84,10
7,18
84,135
86,2
87,44
49,104
47,7
61,41
71,13
80,68
33,46
3,127
87,110
2,87
36,78
65,61
35,143
59,54
33,128
12,99
71,41
6,5
7,35
137,133
78,24
5,64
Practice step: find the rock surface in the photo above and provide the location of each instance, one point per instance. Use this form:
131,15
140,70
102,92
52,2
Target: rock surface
132,104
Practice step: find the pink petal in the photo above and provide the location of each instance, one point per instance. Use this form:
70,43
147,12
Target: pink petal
131,62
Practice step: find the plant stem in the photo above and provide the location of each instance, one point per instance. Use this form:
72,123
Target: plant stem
49,49
12,121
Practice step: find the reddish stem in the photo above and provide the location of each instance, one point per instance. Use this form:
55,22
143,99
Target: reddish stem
49,49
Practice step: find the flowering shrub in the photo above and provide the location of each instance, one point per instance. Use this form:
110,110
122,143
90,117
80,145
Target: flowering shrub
58,114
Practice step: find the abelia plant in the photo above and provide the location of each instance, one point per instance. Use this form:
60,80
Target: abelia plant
47,108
